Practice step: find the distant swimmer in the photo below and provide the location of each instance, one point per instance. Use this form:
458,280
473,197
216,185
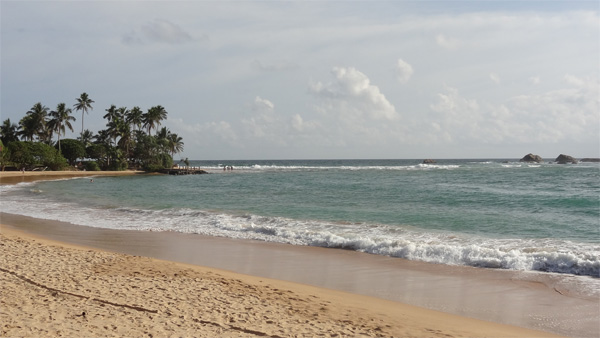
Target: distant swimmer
92,180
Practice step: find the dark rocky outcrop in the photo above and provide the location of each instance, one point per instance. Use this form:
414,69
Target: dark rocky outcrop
590,159
429,161
564,159
532,158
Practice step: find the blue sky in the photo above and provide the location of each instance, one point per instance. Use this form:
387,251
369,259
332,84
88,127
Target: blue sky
320,79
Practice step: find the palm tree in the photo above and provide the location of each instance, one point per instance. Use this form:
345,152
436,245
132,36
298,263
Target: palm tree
153,117
28,128
86,137
175,144
61,118
122,113
83,103
134,117
125,138
34,123
103,137
9,132
111,113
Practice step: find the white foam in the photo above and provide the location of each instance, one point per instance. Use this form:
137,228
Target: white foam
550,255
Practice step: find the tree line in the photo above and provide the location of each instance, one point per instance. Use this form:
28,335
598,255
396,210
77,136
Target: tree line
126,142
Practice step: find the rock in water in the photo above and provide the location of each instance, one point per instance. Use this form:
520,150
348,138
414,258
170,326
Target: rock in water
564,159
532,158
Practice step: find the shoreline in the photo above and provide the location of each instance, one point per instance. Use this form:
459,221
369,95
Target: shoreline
14,177
500,296
74,290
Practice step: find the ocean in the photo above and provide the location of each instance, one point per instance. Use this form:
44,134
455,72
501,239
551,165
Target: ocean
497,214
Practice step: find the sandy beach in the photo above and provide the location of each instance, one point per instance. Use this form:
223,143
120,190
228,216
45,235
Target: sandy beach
53,288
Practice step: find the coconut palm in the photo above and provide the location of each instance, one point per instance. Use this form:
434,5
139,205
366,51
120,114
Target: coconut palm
83,103
61,118
134,117
175,144
125,138
86,137
28,128
153,117
111,113
9,132
34,123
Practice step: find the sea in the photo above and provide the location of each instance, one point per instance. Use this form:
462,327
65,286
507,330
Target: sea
493,214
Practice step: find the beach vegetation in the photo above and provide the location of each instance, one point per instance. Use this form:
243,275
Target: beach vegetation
132,139
86,138
84,103
4,155
29,155
60,119
72,150
9,132
91,166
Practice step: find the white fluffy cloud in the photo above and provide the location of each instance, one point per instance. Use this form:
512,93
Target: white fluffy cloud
567,114
262,105
352,96
403,71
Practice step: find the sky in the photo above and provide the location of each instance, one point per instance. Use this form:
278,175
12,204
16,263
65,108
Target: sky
319,79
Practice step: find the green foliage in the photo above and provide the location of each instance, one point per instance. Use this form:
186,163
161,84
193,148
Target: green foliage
4,156
9,132
72,150
48,156
32,154
117,165
20,154
121,145
96,151
91,166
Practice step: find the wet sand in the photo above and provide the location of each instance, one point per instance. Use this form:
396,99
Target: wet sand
522,299
50,289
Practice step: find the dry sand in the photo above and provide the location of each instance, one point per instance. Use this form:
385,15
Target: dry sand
53,289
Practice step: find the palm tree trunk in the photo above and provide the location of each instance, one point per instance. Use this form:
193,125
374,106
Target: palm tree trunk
59,129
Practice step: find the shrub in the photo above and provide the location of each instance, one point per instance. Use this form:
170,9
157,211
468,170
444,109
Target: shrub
91,166
31,154
72,150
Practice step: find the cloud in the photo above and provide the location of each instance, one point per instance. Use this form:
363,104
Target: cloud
535,80
352,96
567,114
159,31
276,66
403,71
495,78
207,133
446,42
165,31
264,123
262,105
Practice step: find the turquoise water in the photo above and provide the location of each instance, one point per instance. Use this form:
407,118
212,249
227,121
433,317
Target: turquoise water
483,213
